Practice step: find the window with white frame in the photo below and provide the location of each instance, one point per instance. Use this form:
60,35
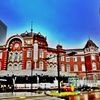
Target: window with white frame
74,59
29,53
83,67
10,56
93,57
95,77
0,54
0,65
28,41
55,58
94,66
82,58
20,66
68,68
62,57
16,56
41,65
15,67
28,65
50,57
63,68
10,67
20,56
91,49
75,67
41,53
67,59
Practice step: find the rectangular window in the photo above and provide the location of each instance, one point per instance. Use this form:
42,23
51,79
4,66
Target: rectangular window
62,58
28,65
82,58
68,68
41,53
93,57
74,59
67,59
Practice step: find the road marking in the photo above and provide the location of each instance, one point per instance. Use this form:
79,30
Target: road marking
22,97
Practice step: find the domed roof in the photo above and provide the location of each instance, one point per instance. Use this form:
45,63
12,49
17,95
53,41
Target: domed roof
90,43
29,34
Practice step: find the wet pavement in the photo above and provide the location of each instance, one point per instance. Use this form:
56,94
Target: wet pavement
8,95
91,95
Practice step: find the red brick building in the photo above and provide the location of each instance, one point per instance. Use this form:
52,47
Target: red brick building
24,55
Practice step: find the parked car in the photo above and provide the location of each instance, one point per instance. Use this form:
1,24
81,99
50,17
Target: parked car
64,88
83,88
96,87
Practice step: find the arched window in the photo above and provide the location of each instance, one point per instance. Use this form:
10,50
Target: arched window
55,67
41,65
28,65
68,68
75,67
41,53
54,58
63,68
51,57
20,56
10,56
83,67
15,67
20,66
16,56
29,53
94,66
10,67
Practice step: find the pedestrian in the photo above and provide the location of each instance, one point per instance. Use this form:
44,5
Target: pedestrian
12,88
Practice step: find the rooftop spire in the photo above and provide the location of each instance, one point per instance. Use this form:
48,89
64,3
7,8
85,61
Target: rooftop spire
31,26
89,37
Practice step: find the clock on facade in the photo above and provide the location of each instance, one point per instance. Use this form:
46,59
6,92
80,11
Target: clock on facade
16,45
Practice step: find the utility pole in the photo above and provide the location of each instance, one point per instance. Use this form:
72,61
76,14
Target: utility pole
58,69
31,77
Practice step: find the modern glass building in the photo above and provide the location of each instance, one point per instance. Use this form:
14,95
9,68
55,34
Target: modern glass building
3,32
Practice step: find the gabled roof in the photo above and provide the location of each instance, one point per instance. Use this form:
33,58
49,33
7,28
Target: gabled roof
90,43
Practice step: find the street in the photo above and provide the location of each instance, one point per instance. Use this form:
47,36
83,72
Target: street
82,96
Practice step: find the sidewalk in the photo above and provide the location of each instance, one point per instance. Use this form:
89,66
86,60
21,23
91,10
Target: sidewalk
8,95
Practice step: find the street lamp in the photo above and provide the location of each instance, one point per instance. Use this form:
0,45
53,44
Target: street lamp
31,76
58,68
86,69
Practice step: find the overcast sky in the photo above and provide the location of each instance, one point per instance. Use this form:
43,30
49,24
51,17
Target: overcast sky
66,22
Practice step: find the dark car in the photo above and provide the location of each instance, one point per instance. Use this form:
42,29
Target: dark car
83,88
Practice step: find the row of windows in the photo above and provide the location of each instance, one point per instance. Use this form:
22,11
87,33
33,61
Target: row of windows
14,66
75,67
41,55
75,59
29,64
29,53
15,56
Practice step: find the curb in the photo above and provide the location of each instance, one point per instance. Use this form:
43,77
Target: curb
23,97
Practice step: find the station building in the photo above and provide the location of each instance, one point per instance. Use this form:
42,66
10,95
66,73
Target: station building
27,53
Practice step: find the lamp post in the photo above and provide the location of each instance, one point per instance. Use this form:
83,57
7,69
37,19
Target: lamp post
31,77
58,69
85,69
